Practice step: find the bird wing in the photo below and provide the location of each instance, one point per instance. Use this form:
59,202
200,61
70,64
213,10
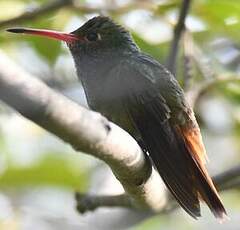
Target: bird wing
156,105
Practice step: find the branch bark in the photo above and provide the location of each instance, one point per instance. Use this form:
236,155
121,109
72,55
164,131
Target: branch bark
86,131
87,202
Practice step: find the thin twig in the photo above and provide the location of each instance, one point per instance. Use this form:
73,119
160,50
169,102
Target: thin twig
194,57
83,8
86,202
79,8
187,60
179,28
230,179
195,93
37,12
203,62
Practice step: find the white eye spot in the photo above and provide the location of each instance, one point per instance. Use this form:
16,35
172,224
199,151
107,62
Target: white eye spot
92,36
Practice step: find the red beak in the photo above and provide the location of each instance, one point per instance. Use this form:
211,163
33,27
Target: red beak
67,37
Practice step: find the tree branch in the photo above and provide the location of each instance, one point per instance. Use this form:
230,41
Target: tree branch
179,28
83,8
87,203
79,8
86,131
37,12
230,179
187,60
203,62
195,93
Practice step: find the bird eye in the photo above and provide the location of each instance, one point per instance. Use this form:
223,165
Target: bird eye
92,37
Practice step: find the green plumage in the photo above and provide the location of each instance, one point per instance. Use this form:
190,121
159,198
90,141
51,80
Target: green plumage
136,92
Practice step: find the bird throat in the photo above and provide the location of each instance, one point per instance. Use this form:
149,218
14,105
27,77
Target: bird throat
92,69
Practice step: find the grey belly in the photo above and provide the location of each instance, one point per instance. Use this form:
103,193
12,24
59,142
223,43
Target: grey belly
108,99
115,111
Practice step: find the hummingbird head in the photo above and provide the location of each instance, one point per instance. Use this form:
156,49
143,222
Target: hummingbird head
98,34
95,46
101,34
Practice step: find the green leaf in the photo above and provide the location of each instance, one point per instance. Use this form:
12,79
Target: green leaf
54,169
152,223
47,48
230,91
158,51
217,9
167,6
216,14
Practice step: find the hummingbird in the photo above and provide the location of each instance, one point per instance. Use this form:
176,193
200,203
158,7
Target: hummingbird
136,92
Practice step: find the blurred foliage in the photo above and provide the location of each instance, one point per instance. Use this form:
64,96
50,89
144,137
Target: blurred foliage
158,51
51,52
210,20
163,222
221,17
53,169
